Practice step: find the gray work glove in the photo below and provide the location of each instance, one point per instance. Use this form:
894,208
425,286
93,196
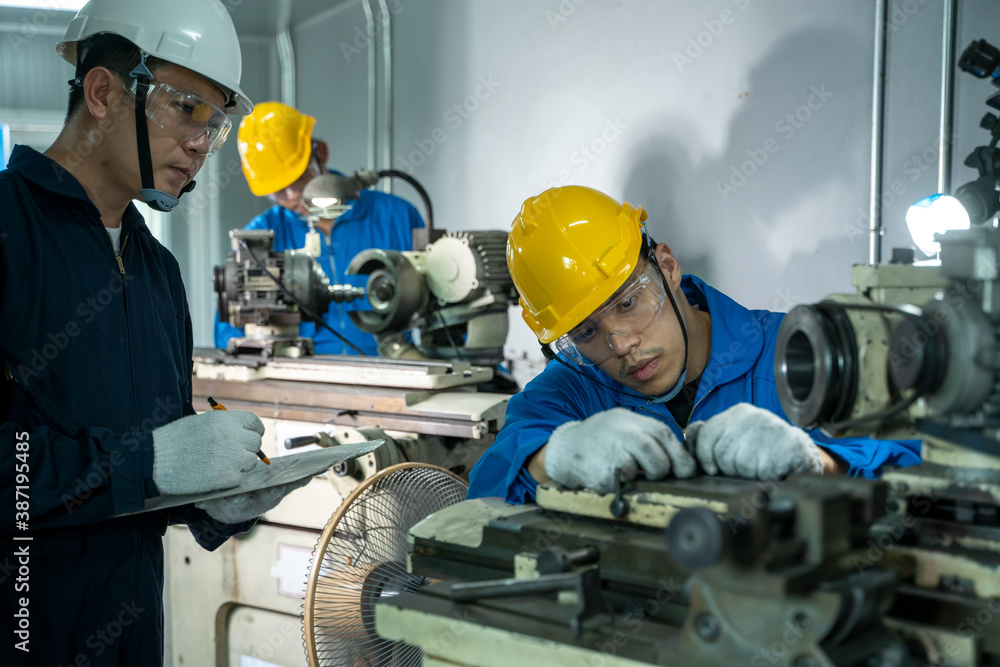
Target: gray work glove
245,506
586,454
205,452
752,443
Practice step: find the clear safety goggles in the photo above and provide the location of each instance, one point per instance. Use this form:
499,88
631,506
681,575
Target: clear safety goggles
290,195
628,312
186,116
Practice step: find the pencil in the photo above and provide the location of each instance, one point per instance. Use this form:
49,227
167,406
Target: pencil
219,406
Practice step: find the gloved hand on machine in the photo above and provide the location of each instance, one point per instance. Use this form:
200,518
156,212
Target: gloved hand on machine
752,443
588,453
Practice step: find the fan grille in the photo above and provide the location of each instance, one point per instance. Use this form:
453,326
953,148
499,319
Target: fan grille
361,557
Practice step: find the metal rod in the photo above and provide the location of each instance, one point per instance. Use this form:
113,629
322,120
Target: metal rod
387,86
557,559
286,52
372,99
509,588
947,94
878,99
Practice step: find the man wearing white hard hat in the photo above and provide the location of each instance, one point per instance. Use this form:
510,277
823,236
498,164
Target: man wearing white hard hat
96,412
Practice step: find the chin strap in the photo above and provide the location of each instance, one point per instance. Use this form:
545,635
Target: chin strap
155,199
682,378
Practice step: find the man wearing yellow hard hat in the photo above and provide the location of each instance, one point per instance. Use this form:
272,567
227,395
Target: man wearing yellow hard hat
280,156
642,356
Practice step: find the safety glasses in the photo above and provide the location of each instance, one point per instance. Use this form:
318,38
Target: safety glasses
629,312
186,116
291,195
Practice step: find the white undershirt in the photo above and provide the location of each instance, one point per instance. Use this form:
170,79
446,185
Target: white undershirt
115,233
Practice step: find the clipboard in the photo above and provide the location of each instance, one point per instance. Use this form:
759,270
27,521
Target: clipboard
282,470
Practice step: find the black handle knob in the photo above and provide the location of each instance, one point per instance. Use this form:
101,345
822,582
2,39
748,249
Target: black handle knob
301,441
696,538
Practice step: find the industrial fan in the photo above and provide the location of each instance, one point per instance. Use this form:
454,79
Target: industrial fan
361,558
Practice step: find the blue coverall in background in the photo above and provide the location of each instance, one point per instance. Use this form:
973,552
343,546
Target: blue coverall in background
377,220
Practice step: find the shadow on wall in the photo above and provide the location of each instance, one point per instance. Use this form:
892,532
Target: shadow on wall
772,219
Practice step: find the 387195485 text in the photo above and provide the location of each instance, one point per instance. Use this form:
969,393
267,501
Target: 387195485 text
22,542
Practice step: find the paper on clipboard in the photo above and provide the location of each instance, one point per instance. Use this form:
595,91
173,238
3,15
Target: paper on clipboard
282,470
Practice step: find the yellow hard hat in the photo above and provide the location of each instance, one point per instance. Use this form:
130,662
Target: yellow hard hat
275,142
570,248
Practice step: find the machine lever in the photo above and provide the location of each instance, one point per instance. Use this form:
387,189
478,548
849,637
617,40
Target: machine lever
585,583
321,439
557,559
301,441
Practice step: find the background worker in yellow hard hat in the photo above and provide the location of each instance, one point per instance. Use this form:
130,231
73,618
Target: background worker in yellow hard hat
639,354
96,413
280,157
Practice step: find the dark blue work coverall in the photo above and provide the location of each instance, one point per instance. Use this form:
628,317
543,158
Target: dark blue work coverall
96,353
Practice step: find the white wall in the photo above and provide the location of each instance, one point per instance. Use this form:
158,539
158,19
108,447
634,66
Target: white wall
665,131
673,98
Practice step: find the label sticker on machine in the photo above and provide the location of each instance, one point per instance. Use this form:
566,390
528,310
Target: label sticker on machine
292,570
250,661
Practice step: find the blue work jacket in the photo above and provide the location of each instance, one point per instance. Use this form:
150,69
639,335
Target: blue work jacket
740,370
377,220
96,353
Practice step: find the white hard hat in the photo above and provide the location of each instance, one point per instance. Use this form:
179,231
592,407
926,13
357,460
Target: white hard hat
196,34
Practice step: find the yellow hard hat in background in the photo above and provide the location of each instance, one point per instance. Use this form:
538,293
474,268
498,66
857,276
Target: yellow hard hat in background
275,142
570,248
